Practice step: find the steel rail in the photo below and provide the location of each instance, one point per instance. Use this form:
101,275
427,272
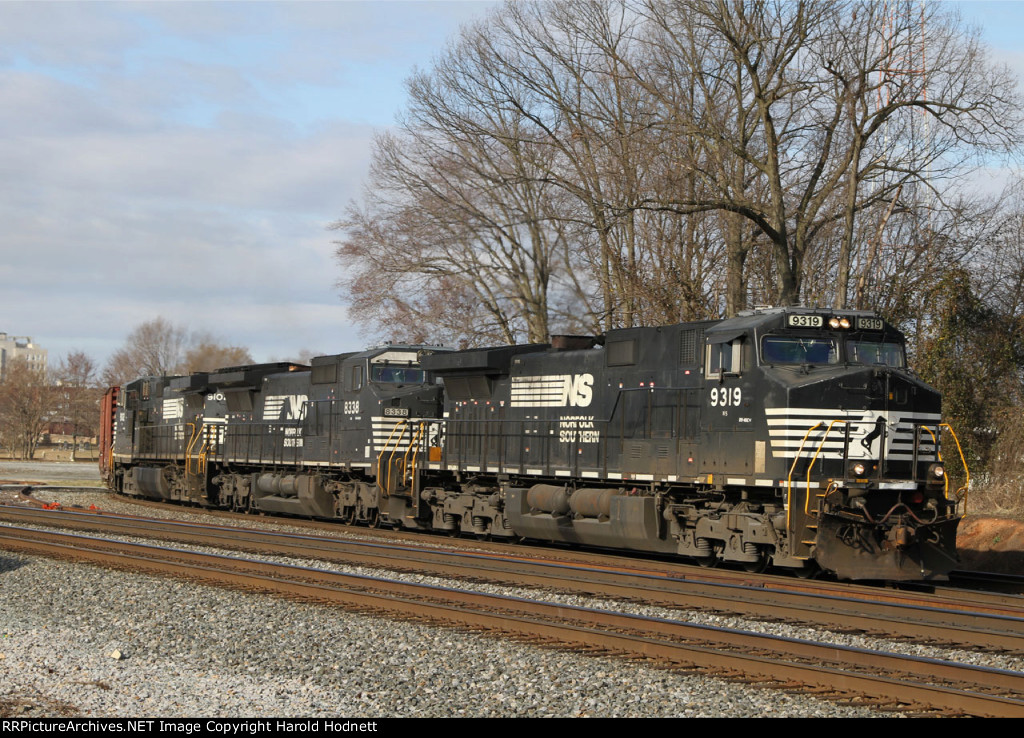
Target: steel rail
1001,582
931,623
1006,593
936,592
909,680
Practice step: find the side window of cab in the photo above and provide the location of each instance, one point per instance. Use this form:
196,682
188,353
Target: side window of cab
724,357
355,378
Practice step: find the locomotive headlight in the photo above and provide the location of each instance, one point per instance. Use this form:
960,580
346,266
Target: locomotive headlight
833,323
844,323
857,469
936,471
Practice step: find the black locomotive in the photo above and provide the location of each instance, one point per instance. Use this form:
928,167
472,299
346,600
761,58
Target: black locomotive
786,436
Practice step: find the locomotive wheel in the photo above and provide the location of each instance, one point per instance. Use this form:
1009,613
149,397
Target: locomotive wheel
709,562
759,566
711,559
373,519
349,516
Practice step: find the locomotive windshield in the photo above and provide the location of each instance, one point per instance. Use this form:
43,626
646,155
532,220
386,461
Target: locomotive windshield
875,352
397,375
795,350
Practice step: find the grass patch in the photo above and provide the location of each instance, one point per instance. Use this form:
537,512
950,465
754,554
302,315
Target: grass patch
1003,499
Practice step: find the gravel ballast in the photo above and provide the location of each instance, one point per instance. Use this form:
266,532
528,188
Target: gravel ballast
111,644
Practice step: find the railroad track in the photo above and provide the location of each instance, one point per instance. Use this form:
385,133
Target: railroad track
846,673
966,586
988,581
971,587
991,622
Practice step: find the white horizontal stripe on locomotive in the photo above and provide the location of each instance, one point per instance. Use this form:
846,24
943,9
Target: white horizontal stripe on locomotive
556,390
284,407
789,427
537,391
397,434
214,428
173,408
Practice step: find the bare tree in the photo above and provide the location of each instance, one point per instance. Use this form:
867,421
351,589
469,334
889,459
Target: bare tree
207,353
78,395
27,399
509,203
632,161
459,221
159,348
564,66
153,348
820,119
920,102
569,69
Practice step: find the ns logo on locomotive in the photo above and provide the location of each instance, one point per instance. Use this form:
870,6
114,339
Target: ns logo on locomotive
790,437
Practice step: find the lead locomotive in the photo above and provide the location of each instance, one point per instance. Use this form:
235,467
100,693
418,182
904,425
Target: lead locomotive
790,437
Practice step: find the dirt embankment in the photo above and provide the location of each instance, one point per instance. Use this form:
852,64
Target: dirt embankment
991,544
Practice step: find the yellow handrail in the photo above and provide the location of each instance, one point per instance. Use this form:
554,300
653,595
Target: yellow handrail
380,457
414,449
789,479
938,455
807,497
945,477
967,471
204,451
188,448
391,458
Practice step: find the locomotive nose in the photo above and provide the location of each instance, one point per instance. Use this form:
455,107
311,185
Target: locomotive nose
884,387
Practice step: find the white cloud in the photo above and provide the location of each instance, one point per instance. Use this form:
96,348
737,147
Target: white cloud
184,159
66,34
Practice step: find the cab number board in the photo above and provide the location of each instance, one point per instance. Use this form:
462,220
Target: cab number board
805,321
870,324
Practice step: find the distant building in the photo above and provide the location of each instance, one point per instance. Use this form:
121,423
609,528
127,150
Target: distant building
20,347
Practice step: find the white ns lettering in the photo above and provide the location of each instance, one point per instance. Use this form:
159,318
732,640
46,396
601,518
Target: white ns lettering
580,392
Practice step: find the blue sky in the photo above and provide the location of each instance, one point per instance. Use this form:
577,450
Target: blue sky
184,160
1000,20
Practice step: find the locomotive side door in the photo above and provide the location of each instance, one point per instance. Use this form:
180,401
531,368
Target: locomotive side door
354,418
728,398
